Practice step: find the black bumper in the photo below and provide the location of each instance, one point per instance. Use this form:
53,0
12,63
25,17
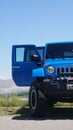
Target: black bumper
58,89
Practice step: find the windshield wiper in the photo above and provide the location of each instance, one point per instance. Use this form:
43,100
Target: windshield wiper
52,57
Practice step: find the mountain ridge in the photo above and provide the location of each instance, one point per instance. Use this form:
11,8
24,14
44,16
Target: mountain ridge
7,86
7,83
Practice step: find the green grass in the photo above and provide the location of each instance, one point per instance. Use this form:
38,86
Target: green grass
11,104
63,104
11,101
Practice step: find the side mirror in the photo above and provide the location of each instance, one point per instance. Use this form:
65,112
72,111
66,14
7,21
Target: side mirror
35,58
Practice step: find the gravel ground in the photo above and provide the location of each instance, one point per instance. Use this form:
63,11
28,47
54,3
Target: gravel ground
59,118
28,123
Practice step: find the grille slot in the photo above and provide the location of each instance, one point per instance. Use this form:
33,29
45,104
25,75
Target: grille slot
58,71
71,69
64,70
67,69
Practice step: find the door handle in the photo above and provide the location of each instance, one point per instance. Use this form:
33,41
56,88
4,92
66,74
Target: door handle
16,67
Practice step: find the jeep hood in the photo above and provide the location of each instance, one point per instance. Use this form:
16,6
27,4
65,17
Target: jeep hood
59,61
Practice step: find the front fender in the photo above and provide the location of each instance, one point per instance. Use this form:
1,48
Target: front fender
38,72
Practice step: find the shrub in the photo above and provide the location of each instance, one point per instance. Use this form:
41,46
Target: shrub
11,101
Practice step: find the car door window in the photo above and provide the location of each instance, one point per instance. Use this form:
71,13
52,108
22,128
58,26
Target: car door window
20,54
29,53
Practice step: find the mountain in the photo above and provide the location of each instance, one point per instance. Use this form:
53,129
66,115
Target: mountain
8,86
6,83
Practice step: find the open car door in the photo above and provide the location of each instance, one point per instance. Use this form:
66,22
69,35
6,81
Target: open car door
22,64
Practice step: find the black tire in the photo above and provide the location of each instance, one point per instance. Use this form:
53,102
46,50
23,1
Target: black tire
37,102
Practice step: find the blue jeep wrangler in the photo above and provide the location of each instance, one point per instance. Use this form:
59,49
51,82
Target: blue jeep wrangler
48,70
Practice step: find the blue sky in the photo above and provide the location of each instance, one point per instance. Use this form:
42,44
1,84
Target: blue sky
32,21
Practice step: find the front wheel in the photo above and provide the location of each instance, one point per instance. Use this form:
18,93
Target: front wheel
37,102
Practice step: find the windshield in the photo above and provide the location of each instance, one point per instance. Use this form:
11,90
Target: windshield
59,50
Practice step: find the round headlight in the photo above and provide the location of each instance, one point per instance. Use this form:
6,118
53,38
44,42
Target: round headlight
50,69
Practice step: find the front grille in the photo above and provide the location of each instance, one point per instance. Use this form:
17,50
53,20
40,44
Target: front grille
66,70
